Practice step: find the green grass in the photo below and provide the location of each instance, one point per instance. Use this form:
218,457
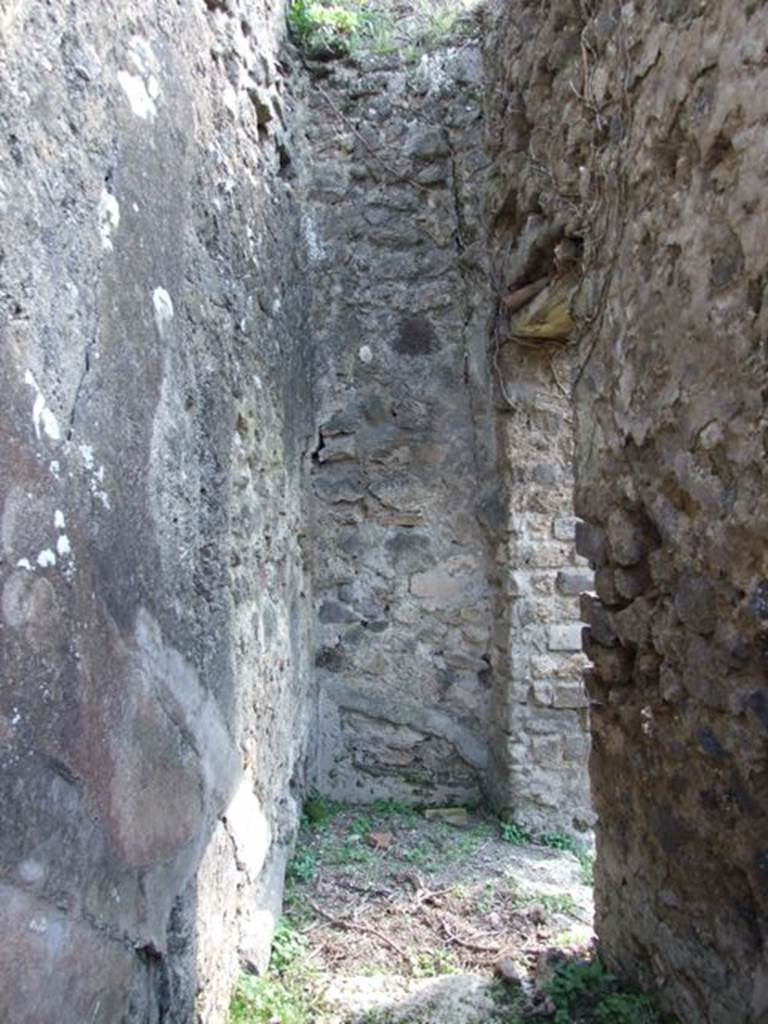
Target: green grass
583,992
338,28
285,993
318,810
557,903
431,963
514,833
560,841
303,865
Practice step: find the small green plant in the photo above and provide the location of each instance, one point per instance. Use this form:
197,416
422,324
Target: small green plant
576,986
512,832
587,867
288,946
361,825
420,854
583,992
431,963
560,841
322,28
264,1000
558,903
395,808
318,811
302,866
623,1008
351,851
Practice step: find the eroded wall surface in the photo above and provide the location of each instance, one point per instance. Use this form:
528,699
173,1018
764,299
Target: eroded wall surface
400,307
155,406
643,131
541,735
443,553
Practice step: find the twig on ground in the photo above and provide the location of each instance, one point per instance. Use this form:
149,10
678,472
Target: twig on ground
352,926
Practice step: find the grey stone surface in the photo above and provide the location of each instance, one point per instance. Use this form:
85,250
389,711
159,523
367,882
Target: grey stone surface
155,407
401,558
644,122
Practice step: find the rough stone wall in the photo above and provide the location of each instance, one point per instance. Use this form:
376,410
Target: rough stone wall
642,132
541,733
400,476
443,553
541,741
155,386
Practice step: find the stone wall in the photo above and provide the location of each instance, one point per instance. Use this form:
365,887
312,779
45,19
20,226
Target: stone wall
446,616
400,303
155,381
542,730
641,133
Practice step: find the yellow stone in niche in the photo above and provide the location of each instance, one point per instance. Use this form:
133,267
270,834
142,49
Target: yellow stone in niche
548,317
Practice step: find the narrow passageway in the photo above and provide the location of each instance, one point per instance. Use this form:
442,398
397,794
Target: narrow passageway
383,512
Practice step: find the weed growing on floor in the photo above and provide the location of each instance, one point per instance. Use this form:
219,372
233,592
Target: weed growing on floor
285,993
288,946
303,866
431,963
318,810
560,841
325,29
514,833
558,903
583,992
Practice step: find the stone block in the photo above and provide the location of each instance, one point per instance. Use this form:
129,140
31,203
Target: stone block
573,582
695,603
605,586
570,695
335,612
633,623
628,538
631,583
542,693
426,144
591,543
337,448
436,585
565,528
564,637
612,665
546,749
600,620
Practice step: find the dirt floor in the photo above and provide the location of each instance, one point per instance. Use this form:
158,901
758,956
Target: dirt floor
391,917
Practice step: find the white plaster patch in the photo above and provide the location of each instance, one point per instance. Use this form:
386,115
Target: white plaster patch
365,354
229,98
109,218
86,453
63,546
314,248
24,563
141,55
58,519
42,417
96,475
249,829
31,871
153,87
161,300
46,558
39,925
141,102
55,467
